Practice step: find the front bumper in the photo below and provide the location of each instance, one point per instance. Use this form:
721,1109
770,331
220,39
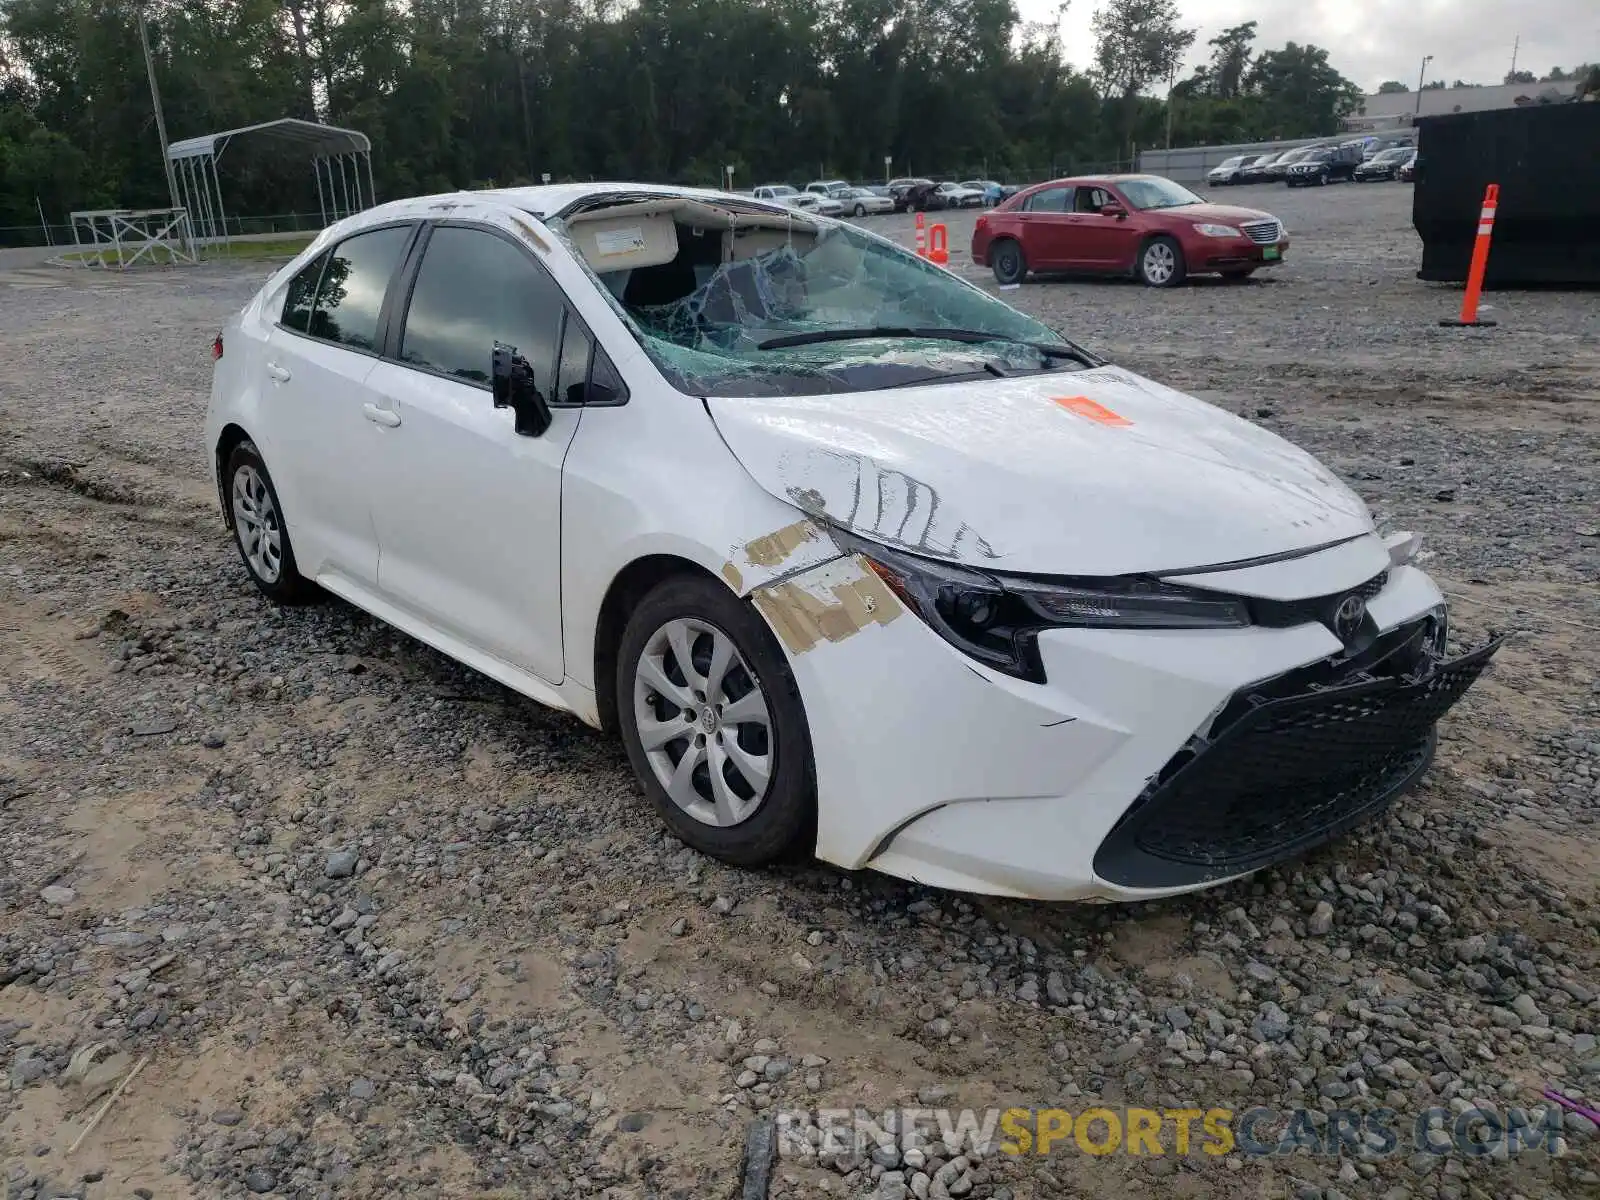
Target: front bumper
1226,254
1093,785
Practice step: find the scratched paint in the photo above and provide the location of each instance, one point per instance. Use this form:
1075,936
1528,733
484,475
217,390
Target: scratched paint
531,233
805,615
772,549
734,579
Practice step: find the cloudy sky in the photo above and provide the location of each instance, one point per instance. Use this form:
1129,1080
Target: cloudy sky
1373,40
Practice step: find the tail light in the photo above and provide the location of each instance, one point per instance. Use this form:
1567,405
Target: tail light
216,348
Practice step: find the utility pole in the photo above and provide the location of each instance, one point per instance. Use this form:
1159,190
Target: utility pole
161,121
1421,75
1172,79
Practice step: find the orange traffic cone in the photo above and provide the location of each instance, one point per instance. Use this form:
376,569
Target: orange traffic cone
939,245
1480,260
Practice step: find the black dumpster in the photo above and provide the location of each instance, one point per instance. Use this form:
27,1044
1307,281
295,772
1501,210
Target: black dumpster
1546,159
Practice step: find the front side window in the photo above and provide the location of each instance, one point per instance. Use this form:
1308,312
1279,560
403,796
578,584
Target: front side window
302,293
475,289
350,294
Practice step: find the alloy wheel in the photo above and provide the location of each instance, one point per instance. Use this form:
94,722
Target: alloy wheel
256,520
703,722
1159,262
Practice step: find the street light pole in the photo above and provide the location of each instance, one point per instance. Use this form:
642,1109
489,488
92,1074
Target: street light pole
161,122
1420,76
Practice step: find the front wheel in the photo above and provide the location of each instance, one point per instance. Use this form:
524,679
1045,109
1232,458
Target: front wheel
1161,263
1009,263
713,724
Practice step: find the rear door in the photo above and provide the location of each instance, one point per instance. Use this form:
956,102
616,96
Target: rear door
468,511
319,356
1048,238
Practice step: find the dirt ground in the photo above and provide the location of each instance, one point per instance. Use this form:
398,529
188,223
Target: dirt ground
369,925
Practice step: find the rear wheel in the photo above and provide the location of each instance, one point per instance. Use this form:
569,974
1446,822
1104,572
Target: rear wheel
1161,263
713,724
1009,263
256,514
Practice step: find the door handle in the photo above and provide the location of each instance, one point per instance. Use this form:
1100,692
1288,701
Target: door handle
278,374
386,417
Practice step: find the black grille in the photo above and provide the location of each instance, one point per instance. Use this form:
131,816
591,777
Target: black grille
1283,775
1280,613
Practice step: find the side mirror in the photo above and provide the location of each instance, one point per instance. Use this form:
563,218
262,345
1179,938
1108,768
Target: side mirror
1113,210
514,389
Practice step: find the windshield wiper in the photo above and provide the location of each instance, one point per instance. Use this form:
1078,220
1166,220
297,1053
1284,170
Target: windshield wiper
965,336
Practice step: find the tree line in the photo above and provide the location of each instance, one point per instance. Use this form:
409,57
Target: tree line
464,93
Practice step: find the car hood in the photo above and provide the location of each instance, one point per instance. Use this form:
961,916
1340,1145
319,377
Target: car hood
1097,472
1230,214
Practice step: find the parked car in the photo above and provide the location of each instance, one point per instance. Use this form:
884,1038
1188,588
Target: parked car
859,202
959,195
991,190
827,206
1276,170
1141,225
775,191
1228,171
1407,171
1322,165
1378,145
901,189
924,197
1255,170
632,452
1383,165
828,187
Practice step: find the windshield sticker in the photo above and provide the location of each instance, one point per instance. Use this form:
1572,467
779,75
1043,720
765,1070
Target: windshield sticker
1086,407
611,242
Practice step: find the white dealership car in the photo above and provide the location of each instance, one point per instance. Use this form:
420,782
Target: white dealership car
856,559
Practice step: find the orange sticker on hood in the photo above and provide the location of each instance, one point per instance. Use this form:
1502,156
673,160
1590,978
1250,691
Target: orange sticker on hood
1086,407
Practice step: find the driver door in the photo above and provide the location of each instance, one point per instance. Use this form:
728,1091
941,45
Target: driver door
467,510
1108,242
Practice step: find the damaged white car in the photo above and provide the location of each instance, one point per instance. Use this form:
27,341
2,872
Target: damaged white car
858,560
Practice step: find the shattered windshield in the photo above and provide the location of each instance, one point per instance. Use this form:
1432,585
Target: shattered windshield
758,309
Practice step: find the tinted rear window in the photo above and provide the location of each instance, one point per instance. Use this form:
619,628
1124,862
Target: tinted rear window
353,285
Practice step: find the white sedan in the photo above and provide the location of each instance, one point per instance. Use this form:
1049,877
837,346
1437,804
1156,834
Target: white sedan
856,559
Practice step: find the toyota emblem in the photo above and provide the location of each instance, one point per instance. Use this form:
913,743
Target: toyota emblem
1348,616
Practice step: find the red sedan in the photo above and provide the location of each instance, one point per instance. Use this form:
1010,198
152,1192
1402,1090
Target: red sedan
1143,225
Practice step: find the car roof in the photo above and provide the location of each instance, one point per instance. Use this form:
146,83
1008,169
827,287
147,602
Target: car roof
542,202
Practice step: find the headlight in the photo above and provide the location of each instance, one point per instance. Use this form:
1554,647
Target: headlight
996,618
1218,231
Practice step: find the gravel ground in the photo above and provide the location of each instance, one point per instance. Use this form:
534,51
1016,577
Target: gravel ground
369,925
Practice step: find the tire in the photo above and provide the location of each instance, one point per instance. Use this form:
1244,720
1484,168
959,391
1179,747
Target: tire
1161,263
747,830
1008,261
860,210
255,514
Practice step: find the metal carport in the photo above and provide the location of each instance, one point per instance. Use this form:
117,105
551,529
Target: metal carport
337,156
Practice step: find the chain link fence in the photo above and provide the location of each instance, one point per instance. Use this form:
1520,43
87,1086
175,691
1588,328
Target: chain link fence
60,234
